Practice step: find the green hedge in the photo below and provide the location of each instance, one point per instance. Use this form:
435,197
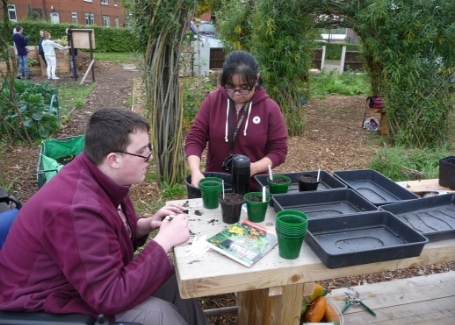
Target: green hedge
107,39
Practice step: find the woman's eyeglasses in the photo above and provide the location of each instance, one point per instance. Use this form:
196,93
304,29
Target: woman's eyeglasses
241,91
146,158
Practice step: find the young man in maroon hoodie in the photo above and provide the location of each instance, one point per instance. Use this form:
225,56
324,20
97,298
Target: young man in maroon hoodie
238,118
72,246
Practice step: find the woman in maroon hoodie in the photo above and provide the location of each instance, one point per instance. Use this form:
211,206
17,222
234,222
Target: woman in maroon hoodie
238,118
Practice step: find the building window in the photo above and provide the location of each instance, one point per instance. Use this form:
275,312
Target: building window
116,3
104,2
89,19
88,0
12,12
106,21
117,22
74,17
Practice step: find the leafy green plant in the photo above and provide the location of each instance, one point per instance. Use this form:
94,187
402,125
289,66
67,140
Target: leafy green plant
31,118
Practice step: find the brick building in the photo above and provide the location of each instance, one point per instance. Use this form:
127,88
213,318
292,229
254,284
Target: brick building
78,12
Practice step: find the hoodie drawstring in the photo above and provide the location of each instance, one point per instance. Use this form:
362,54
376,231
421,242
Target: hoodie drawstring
247,118
226,131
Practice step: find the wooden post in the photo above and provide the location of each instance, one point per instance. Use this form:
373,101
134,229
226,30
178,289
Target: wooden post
343,58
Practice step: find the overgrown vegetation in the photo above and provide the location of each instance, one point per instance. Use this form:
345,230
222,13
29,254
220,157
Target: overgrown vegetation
411,62
32,119
402,164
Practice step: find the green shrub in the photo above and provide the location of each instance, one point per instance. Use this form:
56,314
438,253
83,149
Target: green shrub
31,119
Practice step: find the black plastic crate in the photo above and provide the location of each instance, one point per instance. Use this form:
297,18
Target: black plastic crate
375,187
362,238
447,172
433,217
327,181
330,203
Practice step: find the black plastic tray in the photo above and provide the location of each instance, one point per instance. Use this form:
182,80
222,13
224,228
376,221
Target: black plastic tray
362,238
327,181
433,217
323,204
374,186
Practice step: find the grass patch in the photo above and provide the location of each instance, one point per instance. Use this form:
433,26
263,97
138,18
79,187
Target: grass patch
332,83
119,58
401,164
71,97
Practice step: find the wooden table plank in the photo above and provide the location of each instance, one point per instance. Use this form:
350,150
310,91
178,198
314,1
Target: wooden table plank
419,300
425,185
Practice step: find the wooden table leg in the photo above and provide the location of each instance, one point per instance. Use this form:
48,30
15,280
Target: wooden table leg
260,307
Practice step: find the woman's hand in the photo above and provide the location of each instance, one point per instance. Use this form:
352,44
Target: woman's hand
196,177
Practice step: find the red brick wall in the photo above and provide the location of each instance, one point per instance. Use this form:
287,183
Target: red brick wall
65,8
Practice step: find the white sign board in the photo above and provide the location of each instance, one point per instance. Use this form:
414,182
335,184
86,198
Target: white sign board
82,37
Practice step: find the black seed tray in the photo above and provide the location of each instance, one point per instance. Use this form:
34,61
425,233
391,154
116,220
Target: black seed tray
374,186
322,204
433,217
362,238
327,181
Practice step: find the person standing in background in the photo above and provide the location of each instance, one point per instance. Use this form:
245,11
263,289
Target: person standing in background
49,53
40,46
21,43
73,54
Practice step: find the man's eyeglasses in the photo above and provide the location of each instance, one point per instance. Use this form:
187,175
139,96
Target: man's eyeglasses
146,158
241,91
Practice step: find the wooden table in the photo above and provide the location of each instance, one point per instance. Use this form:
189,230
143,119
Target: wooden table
270,292
425,185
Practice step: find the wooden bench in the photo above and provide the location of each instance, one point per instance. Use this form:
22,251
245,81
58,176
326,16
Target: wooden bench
424,300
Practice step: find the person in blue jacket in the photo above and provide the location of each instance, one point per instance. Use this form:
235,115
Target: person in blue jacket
21,43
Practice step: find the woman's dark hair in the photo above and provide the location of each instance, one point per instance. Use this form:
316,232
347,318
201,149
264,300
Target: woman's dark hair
108,130
243,64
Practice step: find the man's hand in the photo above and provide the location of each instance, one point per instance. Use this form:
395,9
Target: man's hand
173,231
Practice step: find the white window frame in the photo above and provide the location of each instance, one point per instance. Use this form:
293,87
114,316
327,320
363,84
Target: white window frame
106,21
104,2
116,3
12,10
74,17
88,0
117,22
89,19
